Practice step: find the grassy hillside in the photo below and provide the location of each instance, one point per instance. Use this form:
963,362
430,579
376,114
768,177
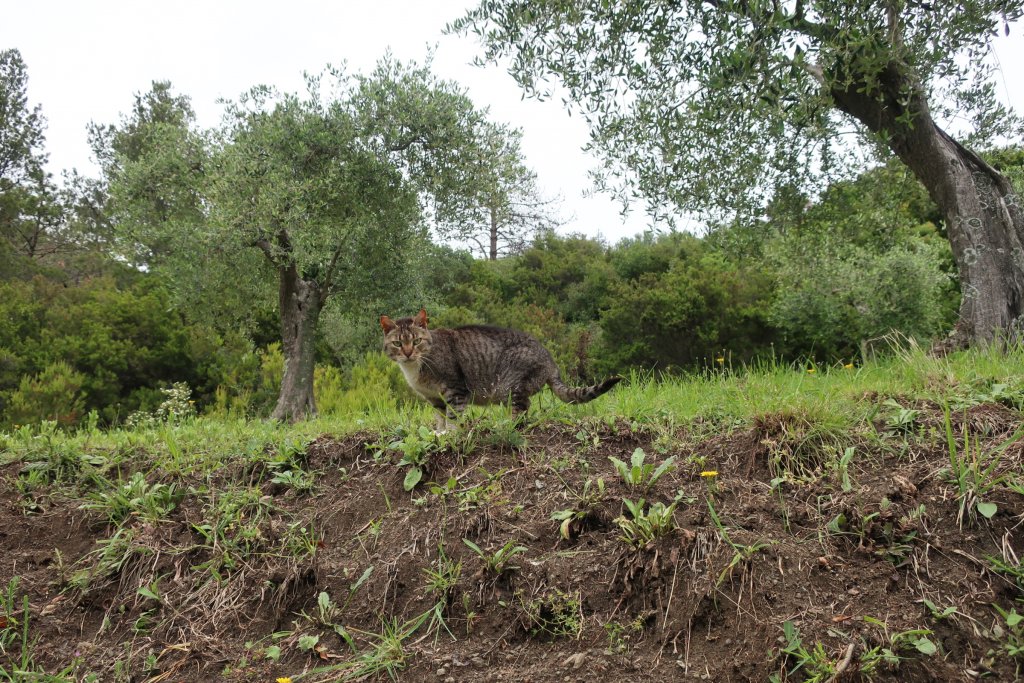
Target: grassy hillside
809,523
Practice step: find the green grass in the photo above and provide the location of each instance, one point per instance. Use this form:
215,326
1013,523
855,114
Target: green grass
833,398
218,466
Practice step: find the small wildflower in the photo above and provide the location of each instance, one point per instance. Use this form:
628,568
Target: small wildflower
811,371
848,366
720,360
284,679
707,474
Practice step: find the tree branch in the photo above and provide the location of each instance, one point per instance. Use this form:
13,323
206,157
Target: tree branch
326,290
267,249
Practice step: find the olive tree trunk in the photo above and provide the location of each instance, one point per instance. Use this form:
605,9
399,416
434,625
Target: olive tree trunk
301,303
493,254
983,216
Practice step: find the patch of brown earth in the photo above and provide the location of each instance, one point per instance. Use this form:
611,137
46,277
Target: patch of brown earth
848,558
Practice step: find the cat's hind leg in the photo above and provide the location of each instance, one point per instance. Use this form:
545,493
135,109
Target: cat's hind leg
450,408
520,404
443,417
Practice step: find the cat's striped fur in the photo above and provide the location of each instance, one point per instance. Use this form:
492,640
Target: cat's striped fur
479,364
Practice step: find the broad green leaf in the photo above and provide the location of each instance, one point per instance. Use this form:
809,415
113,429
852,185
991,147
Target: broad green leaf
925,646
412,478
987,510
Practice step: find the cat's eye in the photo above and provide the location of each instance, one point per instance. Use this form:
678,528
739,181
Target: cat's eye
396,344
416,342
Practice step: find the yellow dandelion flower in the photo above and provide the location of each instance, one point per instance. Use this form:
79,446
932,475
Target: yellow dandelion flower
720,360
709,473
284,679
811,371
848,366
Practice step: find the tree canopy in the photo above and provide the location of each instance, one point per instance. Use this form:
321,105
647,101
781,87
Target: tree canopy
509,206
713,105
324,194
31,211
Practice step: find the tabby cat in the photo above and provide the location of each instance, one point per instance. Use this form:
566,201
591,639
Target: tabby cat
478,364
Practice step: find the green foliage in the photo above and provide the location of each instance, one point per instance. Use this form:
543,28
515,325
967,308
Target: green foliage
99,345
553,614
498,562
375,384
899,646
587,500
719,122
686,314
135,497
31,206
54,394
508,206
17,646
815,663
975,470
1013,634
176,406
416,447
643,527
570,275
250,386
830,303
638,474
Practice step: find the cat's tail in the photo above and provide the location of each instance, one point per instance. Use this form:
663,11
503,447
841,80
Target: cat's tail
581,394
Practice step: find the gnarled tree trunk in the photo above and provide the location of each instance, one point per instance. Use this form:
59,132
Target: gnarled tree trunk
984,218
301,303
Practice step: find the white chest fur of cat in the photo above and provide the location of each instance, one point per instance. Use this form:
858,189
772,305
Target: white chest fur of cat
420,383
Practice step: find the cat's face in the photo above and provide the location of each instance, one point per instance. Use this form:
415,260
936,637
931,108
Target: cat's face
406,340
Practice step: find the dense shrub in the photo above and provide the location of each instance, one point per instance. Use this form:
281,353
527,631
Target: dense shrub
54,394
686,316
831,305
117,343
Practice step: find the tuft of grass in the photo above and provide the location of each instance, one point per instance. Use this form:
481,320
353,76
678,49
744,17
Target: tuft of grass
587,500
135,497
974,470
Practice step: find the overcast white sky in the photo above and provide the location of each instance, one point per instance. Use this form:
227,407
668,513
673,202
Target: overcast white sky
86,58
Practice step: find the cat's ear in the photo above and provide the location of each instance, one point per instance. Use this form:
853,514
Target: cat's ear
421,318
387,324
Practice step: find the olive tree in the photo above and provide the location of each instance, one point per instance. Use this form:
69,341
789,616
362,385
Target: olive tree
318,196
708,105
509,207
31,212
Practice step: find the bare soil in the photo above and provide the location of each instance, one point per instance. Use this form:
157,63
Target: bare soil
850,569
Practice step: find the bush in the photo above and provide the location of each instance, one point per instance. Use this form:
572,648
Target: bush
176,407
686,316
54,394
122,337
829,307
375,383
